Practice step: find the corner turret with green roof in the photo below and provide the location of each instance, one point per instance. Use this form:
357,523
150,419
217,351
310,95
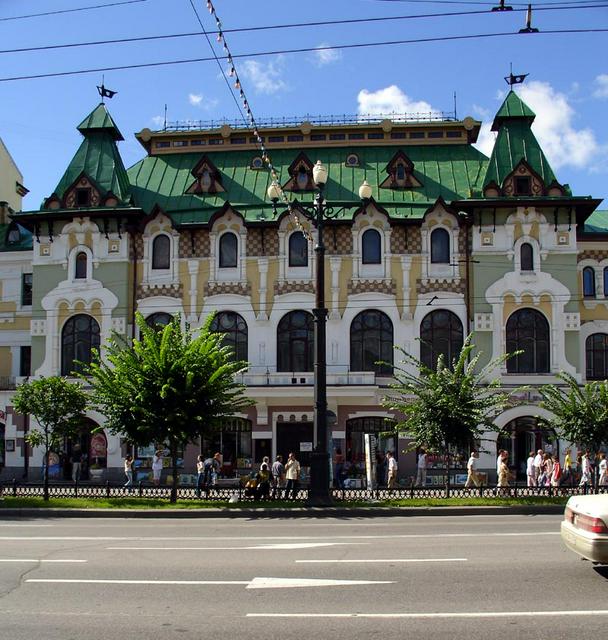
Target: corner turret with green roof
518,166
96,166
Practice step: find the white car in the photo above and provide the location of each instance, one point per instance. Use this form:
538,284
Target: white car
585,527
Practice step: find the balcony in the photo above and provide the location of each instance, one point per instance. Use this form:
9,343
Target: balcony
340,376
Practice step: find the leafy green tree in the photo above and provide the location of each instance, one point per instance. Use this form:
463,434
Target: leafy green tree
167,387
450,407
57,405
579,413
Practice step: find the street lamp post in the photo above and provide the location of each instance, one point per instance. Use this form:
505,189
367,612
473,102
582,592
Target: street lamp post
318,213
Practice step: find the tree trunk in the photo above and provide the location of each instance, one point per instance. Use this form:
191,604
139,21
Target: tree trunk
174,465
46,467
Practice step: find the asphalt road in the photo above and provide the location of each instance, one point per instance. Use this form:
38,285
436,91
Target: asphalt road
425,577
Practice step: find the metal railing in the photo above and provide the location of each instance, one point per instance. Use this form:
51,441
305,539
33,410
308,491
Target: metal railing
108,489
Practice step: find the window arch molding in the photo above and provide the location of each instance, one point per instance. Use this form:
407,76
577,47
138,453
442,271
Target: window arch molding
80,334
366,220
228,250
160,225
528,330
440,242
297,250
440,218
371,247
371,340
229,222
516,254
73,260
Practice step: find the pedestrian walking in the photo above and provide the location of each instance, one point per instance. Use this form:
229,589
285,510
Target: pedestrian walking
76,460
567,476
278,476
538,462
499,459
546,469
421,469
157,466
262,489
530,473
339,468
603,470
211,469
392,469
556,472
472,477
292,472
503,474
586,470
200,475
265,461
129,470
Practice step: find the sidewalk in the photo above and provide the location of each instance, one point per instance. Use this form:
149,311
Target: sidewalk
295,512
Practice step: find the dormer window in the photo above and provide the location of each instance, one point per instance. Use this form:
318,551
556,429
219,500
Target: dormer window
207,178
80,268
83,197
400,173
522,181
14,235
302,179
300,172
522,185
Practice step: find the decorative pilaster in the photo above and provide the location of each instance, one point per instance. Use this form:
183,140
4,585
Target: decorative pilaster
263,270
193,266
335,264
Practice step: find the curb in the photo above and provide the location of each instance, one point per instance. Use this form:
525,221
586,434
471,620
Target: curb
303,512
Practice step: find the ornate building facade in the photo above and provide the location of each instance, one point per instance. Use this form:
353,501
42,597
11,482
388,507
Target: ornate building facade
450,242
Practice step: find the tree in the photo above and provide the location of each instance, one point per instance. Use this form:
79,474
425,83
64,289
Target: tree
167,387
58,406
580,414
450,407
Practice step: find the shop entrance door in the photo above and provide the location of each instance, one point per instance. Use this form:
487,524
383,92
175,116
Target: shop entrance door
290,436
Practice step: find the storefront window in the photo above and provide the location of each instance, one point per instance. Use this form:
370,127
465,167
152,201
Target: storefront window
355,447
233,442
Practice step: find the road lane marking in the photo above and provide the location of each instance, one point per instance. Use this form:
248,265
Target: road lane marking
387,560
261,547
254,583
37,560
430,615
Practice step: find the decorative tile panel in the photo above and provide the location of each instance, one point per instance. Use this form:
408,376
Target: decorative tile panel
238,288
399,240
593,254
200,243
572,321
381,285
433,285
293,286
151,290
338,240
38,327
484,322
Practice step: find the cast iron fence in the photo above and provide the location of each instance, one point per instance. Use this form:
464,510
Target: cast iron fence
108,489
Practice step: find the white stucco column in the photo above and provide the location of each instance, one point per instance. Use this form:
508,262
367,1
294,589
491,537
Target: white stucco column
406,265
335,264
263,270
193,266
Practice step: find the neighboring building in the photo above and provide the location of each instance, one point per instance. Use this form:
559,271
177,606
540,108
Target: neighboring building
450,242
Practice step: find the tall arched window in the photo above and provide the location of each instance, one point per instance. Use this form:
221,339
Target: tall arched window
79,336
228,250
295,342
234,328
298,250
528,331
80,267
371,340
440,247
606,282
161,252
596,356
589,282
371,247
440,334
527,257
158,320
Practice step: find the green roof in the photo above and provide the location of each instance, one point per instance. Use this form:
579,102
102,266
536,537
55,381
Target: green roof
597,222
513,108
25,241
100,120
448,171
98,157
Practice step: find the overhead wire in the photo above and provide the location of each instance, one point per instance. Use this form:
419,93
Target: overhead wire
153,38
259,54
75,10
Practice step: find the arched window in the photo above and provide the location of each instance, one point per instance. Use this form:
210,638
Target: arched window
526,254
158,320
440,334
371,247
302,178
589,282
298,250
161,252
80,268
606,282
234,328
80,335
371,340
14,235
228,250
596,356
528,331
440,247
295,342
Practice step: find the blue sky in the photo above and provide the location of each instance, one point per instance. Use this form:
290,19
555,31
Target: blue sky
567,86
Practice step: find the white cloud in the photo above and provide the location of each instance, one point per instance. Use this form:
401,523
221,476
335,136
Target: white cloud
265,78
481,112
195,99
601,83
323,56
158,121
486,139
201,101
391,100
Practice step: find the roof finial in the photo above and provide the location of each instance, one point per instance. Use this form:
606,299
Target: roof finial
105,93
515,79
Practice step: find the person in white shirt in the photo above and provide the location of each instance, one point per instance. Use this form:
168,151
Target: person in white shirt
603,469
538,463
292,473
530,471
421,473
392,470
472,477
586,470
499,459
157,466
